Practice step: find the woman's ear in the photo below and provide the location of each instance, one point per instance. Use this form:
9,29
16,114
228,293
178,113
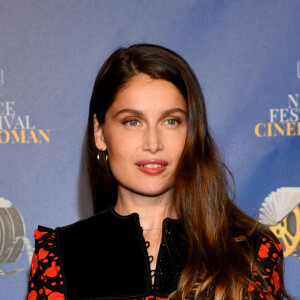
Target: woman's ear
98,134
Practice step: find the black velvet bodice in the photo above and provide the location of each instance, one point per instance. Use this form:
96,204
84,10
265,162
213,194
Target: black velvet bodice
105,257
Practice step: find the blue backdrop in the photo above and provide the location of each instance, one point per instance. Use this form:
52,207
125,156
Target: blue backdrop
246,55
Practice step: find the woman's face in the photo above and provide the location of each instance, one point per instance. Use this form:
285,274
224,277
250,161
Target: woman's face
144,133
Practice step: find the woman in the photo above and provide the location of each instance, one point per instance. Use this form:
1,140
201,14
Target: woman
165,226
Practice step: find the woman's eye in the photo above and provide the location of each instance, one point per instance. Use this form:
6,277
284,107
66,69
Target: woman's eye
132,122
172,122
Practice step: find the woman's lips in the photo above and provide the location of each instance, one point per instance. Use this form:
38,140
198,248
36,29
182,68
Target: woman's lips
152,166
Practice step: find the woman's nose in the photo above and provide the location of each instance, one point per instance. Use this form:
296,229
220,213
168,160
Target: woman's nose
152,140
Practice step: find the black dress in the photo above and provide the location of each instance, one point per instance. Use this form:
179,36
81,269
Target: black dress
105,257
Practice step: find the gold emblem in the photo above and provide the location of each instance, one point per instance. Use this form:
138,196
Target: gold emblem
288,231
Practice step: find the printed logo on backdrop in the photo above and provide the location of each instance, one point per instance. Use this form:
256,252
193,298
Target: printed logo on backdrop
281,213
15,128
12,237
283,121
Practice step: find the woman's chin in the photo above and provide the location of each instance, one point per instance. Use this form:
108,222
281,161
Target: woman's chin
150,191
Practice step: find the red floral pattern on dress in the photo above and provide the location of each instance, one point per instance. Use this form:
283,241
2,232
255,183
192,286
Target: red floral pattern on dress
267,256
264,250
46,282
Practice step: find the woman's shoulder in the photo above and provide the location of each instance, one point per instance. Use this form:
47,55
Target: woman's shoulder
44,239
46,280
268,252
267,248
101,217
266,267
44,232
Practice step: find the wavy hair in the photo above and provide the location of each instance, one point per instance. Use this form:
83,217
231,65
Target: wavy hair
220,239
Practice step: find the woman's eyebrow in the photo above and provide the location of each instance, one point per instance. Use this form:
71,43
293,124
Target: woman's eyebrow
141,114
172,111
128,110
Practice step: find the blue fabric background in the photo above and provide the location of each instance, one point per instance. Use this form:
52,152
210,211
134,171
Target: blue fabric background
244,53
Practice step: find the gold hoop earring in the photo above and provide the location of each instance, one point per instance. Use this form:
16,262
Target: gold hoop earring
102,158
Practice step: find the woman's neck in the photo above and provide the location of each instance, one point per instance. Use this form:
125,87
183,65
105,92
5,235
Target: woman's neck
152,210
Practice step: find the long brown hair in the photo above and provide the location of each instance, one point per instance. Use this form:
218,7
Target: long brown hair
219,235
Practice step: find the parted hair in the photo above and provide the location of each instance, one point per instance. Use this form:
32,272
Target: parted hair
221,255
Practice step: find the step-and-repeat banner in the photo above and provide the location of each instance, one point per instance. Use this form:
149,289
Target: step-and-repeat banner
246,55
